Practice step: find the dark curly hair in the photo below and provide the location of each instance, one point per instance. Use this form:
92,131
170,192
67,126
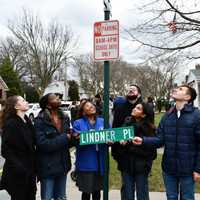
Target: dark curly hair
44,101
80,112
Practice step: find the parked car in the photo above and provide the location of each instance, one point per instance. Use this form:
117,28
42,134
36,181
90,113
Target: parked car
34,109
65,106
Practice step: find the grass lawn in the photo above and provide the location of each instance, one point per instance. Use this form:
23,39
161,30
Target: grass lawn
155,178
158,117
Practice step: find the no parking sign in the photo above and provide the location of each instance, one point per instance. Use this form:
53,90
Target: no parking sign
106,40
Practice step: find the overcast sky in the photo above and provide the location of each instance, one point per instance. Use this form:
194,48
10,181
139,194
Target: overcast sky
80,15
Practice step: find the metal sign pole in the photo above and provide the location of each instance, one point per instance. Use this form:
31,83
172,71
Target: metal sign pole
106,107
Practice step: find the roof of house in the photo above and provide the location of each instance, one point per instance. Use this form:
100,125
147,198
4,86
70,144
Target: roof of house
3,84
196,73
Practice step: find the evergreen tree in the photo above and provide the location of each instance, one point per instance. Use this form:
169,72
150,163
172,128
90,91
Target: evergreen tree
31,93
10,77
73,91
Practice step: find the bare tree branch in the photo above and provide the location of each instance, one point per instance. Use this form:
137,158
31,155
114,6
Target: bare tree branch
181,14
45,49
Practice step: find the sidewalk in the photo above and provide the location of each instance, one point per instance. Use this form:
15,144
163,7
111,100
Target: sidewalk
74,194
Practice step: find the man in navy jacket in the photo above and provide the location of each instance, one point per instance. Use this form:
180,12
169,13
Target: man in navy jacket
179,133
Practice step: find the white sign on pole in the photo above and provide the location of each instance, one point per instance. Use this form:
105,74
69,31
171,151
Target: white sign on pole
106,40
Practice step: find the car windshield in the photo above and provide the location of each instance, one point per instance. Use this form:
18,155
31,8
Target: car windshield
64,106
30,106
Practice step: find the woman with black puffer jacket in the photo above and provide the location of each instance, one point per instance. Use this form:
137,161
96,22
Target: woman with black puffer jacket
53,141
136,161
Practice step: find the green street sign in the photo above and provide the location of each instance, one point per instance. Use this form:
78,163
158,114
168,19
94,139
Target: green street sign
106,135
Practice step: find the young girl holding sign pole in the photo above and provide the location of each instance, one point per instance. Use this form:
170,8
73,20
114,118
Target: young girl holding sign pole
136,161
89,158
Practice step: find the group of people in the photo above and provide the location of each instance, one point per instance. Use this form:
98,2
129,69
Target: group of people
41,151
178,132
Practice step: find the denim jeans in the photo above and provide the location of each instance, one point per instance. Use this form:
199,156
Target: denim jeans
175,184
132,183
54,188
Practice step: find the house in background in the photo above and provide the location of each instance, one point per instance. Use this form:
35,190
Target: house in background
193,79
3,91
58,87
62,87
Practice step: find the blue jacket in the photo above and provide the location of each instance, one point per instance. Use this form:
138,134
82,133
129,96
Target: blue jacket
181,140
88,158
53,157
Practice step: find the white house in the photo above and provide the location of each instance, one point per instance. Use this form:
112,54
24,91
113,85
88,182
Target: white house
58,87
3,91
62,88
193,80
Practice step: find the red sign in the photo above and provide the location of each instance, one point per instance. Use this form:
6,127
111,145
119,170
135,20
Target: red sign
106,40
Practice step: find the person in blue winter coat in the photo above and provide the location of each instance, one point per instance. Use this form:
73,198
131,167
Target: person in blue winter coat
52,143
179,133
89,158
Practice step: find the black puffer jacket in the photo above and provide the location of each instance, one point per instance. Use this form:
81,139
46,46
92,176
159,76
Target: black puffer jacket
136,159
53,157
120,113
